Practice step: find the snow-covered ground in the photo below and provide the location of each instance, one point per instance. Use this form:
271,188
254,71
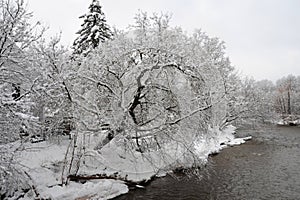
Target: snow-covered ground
43,163
289,120
288,123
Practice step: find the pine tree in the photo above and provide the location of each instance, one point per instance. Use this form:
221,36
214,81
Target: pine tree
93,30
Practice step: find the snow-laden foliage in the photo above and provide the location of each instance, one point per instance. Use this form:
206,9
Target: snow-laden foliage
32,89
52,96
153,87
16,77
288,95
94,30
13,181
34,101
265,101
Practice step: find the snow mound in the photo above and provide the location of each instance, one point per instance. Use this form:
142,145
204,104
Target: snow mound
100,189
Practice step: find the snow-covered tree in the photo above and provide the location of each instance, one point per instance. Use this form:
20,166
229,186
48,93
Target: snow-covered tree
17,80
52,95
254,101
94,30
154,87
16,77
287,101
265,101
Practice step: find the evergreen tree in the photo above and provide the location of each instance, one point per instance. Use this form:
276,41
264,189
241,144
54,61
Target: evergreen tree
93,30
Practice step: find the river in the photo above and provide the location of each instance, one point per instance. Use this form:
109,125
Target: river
267,167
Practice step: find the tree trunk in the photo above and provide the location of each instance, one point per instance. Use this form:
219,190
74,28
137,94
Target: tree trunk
289,102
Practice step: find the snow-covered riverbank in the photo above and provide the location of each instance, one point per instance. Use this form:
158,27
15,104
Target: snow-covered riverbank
290,120
42,163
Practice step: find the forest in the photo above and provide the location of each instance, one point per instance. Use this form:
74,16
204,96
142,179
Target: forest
119,105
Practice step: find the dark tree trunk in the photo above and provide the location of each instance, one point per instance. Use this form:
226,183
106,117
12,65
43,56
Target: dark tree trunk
289,102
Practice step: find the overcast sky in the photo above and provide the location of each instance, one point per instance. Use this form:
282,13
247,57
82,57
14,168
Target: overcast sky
262,36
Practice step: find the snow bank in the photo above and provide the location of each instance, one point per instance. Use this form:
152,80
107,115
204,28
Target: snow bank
137,167
217,140
114,160
97,189
290,120
43,164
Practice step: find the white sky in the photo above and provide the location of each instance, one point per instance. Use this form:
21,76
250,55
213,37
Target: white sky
262,36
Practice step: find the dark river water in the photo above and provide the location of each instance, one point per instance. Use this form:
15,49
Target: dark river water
267,167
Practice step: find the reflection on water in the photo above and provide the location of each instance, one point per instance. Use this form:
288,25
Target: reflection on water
268,167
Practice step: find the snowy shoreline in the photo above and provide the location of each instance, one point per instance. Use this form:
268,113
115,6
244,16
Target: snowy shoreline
42,163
